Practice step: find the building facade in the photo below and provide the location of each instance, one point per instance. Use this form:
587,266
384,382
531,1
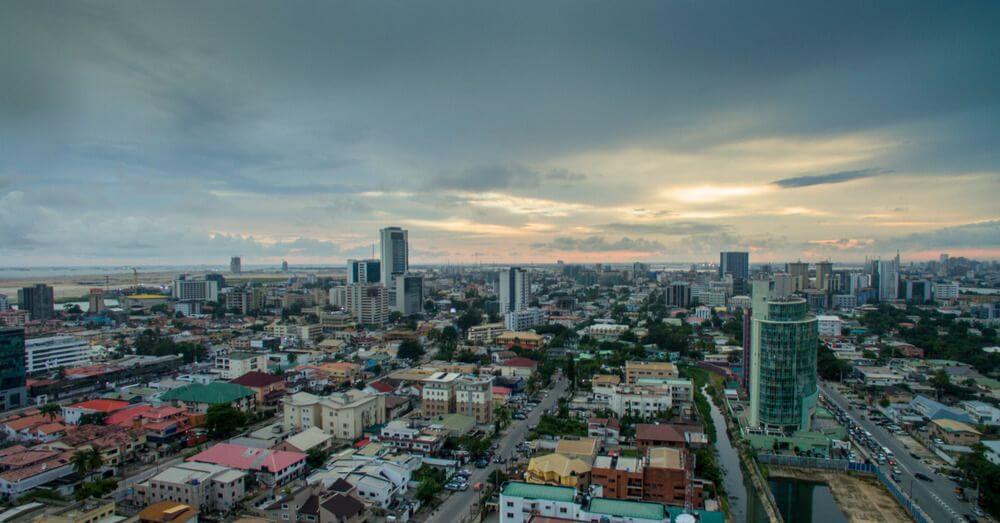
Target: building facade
395,255
38,300
13,392
409,294
514,289
43,354
364,271
368,303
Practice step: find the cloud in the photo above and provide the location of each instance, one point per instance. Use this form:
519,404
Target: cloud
984,234
666,228
826,179
499,176
599,244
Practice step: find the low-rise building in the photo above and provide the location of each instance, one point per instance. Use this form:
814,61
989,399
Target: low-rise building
954,432
652,400
485,333
403,436
557,469
661,475
51,353
636,370
269,467
605,331
268,388
204,486
605,430
670,435
344,415
525,340
198,398
73,413
235,364
523,367
829,326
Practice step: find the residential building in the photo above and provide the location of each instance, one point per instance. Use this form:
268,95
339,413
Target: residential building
235,364
269,467
206,487
636,370
577,447
364,271
25,469
954,432
13,391
661,475
45,354
13,318
268,388
306,333
198,398
245,301
605,430
395,259
96,301
486,333
844,301
514,289
824,273
799,273
557,469
409,294
524,340
783,388
942,291
649,400
736,265
888,279
368,303
404,437
38,300
521,502
451,393
73,413
196,290
338,296
829,326
344,415
524,319
671,435
518,366
168,512
605,331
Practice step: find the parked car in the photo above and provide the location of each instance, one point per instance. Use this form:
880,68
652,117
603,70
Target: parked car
923,477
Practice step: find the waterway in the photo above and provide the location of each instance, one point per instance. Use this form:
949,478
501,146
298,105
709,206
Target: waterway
805,502
744,500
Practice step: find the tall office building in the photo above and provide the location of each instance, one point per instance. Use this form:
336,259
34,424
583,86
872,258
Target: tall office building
824,271
13,391
784,285
515,289
368,303
96,301
888,279
235,265
38,300
800,273
395,259
4,304
678,294
364,271
409,294
783,348
736,264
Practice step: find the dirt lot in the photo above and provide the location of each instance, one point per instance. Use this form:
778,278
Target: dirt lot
863,499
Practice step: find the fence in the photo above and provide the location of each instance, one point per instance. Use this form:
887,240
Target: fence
843,465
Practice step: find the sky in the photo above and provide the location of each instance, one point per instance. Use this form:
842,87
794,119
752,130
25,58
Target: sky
187,132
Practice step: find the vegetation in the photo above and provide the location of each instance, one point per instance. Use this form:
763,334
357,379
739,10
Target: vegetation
41,495
223,421
410,350
93,418
51,410
550,425
151,342
95,489
86,461
316,457
983,474
430,481
829,367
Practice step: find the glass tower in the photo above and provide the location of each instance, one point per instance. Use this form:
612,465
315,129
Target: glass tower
783,348
13,393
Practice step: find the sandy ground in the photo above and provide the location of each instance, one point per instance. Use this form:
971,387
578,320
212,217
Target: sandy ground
863,499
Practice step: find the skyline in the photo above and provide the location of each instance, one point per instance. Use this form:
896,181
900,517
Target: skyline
186,133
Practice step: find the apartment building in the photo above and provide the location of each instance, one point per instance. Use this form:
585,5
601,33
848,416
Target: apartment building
309,332
452,393
44,354
204,486
235,364
343,415
486,333
660,476
403,436
636,370
649,400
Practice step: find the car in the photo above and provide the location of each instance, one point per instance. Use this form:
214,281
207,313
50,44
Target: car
465,473
895,470
923,477
914,455
482,463
478,486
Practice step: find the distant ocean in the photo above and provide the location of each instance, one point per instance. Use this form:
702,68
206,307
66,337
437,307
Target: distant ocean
82,270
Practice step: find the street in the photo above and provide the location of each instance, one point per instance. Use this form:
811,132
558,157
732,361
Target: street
936,498
456,507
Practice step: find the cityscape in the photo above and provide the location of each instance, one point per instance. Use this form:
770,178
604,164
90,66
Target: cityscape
550,262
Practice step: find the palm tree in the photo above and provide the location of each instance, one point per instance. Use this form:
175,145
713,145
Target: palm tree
51,410
86,461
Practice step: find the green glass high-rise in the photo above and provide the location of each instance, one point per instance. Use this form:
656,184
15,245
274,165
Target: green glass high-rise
783,348
13,393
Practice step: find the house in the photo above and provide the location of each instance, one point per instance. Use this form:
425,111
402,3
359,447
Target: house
525,340
557,469
342,372
198,398
672,435
202,486
33,426
268,388
73,413
954,432
582,448
23,469
342,508
311,438
269,467
161,424
523,367
636,370
168,512
605,430
403,436
115,444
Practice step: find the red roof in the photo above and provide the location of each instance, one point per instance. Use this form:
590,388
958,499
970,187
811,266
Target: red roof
248,458
521,362
363,442
125,416
381,386
257,379
506,391
107,406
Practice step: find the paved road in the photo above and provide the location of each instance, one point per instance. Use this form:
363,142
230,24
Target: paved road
457,505
937,499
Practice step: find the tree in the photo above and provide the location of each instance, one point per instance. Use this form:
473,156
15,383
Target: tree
93,418
410,350
51,410
428,490
96,489
86,461
316,457
223,420
940,381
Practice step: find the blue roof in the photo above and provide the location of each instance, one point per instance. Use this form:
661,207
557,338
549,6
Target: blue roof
934,410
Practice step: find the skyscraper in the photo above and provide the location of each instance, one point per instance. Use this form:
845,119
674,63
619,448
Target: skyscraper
13,393
96,301
364,271
38,300
409,294
824,270
515,289
888,279
736,264
800,273
395,259
235,265
368,303
783,348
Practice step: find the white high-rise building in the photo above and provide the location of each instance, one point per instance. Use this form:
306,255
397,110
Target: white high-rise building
196,290
395,259
368,303
4,304
515,289
41,354
888,279
946,291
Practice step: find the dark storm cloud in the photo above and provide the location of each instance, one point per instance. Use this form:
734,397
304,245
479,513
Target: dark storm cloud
825,179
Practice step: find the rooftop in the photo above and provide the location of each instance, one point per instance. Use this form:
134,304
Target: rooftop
216,393
535,491
248,458
628,509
